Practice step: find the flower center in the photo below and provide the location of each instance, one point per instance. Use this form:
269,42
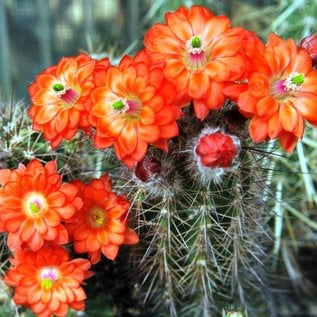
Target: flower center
48,276
96,217
293,82
196,52
35,204
131,107
68,95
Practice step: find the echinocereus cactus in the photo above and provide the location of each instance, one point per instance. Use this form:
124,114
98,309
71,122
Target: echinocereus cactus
177,127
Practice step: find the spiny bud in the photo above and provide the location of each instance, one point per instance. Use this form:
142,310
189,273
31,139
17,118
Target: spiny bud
214,153
216,150
310,44
148,168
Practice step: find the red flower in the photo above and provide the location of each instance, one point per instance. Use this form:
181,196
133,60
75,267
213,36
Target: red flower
100,226
201,52
216,150
34,203
59,98
47,281
281,94
134,107
214,154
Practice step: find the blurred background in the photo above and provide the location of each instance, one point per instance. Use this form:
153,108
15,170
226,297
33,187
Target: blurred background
35,34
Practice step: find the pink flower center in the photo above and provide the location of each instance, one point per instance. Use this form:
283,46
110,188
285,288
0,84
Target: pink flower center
130,107
196,52
35,204
282,87
48,276
68,95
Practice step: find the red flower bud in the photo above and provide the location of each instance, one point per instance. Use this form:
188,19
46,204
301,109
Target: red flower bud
148,168
310,44
216,150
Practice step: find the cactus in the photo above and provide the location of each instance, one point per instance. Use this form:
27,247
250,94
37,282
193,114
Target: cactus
202,243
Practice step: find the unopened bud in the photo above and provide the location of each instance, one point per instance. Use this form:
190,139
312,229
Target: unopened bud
216,150
148,169
310,44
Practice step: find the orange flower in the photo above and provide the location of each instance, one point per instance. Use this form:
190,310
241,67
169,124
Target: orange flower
47,282
201,51
34,202
59,98
101,225
282,92
253,52
133,108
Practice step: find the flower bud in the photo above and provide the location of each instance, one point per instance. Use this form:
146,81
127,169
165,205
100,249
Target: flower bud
214,153
310,44
148,168
216,150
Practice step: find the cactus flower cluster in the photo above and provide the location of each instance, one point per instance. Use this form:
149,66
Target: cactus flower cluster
181,116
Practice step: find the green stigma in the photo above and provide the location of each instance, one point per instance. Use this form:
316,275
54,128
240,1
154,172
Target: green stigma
46,283
298,79
58,87
33,207
196,43
118,105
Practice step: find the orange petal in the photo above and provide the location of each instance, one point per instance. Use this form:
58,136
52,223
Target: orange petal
216,26
160,39
130,237
102,237
266,107
198,84
27,229
66,212
127,140
274,126
197,17
40,225
179,26
149,133
217,71
201,109
115,238
288,117
116,226
258,129
173,67
47,113
61,121
147,116
56,199
247,103
85,70
35,242
288,141
110,251
92,243
307,106
114,80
